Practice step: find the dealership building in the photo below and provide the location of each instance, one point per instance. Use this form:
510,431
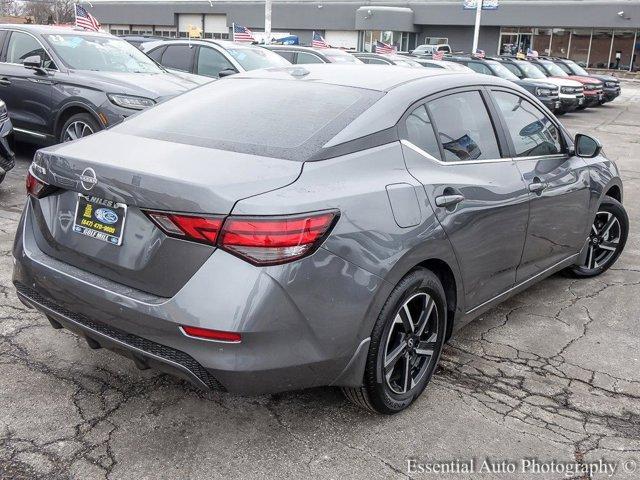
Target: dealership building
602,34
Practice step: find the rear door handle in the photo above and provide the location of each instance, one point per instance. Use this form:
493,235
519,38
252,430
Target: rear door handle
449,200
5,81
537,186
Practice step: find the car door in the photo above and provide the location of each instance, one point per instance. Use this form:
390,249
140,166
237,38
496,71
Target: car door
210,62
26,92
558,183
477,192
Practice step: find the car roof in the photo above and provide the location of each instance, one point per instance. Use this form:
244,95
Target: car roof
401,88
381,78
201,41
51,29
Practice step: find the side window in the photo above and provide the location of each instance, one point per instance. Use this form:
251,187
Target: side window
480,68
156,54
464,127
22,46
304,57
531,131
286,54
211,62
515,70
420,132
375,61
179,57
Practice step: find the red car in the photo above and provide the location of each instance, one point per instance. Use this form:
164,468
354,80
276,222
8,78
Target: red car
593,88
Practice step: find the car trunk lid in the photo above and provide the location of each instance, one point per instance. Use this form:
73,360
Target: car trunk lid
144,174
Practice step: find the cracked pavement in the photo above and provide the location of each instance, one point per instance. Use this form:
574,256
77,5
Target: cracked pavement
553,373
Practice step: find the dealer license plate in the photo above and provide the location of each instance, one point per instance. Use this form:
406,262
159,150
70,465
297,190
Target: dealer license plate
100,219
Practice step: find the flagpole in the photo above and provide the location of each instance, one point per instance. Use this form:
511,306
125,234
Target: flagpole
267,21
476,31
233,29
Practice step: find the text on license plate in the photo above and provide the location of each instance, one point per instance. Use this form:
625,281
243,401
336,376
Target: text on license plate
100,219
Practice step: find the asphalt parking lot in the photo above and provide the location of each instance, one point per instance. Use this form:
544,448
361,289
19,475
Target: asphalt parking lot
552,374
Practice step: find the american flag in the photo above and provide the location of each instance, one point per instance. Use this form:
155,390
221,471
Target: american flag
318,42
85,20
383,48
242,34
438,55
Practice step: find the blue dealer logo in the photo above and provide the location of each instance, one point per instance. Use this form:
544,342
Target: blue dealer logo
106,215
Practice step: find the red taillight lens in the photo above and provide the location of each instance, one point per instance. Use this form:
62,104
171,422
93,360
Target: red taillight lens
35,186
207,334
190,227
274,240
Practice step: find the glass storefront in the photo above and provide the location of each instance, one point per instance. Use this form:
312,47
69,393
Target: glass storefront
595,48
403,41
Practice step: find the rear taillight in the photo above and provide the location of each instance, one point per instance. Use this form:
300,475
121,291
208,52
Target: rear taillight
36,187
274,240
190,227
262,240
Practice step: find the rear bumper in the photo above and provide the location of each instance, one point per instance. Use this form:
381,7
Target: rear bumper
300,323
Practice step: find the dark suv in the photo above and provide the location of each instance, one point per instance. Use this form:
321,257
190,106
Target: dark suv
60,84
547,94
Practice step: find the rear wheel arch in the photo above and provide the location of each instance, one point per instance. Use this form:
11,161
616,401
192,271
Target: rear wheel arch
448,279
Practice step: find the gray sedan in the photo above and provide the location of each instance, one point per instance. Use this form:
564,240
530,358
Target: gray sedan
333,232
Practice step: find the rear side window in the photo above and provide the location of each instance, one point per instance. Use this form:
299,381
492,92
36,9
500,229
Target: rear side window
480,68
532,132
286,54
464,127
156,54
513,69
375,61
178,57
420,132
277,118
304,57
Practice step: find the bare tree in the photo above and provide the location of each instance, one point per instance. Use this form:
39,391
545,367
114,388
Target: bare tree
10,7
49,11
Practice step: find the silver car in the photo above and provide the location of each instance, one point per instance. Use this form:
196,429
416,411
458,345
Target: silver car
309,226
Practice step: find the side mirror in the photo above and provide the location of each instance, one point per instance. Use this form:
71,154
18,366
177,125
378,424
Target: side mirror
586,146
34,62
226,72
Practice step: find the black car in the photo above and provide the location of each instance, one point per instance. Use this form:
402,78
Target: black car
60,84
611,85
305,55
6,131
547,94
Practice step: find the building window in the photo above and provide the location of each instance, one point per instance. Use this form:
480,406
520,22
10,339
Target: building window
600,48
119,31
579,48
216,36
165,32
560,42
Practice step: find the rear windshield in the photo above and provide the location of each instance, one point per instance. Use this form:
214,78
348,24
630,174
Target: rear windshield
287,119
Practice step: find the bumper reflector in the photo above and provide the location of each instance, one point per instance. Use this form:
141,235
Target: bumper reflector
207,334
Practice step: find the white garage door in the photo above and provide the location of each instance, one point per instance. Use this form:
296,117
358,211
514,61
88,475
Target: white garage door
341,38
215,24
186,19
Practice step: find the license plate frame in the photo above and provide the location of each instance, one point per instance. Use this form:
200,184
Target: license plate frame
94,218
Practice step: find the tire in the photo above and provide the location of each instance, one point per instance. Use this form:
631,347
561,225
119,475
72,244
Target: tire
599,259
90,124
422,293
